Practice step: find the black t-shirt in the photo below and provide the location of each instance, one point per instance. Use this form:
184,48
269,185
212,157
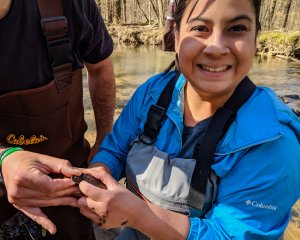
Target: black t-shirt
23,54
190,136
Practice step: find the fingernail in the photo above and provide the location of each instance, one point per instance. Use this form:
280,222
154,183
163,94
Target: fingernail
44,232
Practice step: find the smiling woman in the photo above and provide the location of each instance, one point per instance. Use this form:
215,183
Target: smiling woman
215,51
180,185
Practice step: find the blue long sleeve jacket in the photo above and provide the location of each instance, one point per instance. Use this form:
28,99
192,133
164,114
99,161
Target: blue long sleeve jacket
257,161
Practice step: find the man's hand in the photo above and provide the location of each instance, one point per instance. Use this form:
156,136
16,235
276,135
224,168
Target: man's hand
29,187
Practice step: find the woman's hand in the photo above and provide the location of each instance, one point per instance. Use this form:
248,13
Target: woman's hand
118,207
111,207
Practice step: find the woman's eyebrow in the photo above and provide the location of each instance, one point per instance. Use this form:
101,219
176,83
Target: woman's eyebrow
240,17
231,20
199,18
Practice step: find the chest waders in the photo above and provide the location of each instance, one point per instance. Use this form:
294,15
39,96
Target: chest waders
50,119
179,184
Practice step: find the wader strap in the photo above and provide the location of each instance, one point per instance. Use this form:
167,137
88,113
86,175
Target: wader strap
55,29
218,126
157,112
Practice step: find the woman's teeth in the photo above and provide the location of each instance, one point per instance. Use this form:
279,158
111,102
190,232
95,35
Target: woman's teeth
214,69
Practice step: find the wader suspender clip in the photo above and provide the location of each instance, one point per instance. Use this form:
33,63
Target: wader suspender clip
55,29
156,112
203,152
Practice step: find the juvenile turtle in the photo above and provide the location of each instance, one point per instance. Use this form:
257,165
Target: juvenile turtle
88,178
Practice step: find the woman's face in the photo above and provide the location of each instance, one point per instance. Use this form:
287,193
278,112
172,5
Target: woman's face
216,44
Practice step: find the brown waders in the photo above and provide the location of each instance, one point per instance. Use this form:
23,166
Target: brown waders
50,120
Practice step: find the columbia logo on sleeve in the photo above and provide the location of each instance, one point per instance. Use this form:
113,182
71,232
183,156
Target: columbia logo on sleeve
261,205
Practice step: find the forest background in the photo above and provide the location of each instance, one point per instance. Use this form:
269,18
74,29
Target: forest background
277,15
142,21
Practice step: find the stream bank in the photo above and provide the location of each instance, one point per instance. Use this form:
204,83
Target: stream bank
274,43
269,44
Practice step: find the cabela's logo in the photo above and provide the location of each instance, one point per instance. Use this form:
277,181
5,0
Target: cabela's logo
12,139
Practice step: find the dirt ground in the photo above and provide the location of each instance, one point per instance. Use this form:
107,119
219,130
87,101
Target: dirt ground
293,230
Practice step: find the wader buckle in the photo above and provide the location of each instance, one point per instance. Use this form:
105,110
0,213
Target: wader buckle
55,29
154,119
54,26
60,51
146,140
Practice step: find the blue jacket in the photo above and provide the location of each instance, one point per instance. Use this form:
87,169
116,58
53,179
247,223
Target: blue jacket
258,160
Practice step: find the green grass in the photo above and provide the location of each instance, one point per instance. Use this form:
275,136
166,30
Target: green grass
291,39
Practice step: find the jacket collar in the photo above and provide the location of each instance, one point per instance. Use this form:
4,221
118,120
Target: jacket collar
162,80
257,121
175,110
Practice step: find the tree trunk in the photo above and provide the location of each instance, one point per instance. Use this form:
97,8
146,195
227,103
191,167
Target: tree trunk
286,12
149,12
109,14
139,5
160,13
155,10
273,6
124,20
116,11
271,17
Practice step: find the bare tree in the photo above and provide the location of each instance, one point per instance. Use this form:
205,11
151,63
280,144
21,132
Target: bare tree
124,10
116,11
273,6
286,13
274,13
143,12
154,9
161,14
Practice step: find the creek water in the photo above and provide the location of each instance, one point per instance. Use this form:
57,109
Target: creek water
134,65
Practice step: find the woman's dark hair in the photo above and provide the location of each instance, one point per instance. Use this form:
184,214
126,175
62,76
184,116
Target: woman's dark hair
181,6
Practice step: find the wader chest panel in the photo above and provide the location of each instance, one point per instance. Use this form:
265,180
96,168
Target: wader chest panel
175,183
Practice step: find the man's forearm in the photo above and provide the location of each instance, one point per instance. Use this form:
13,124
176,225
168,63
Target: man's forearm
103,96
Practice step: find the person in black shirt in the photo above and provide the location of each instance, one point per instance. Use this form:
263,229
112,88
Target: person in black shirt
41,109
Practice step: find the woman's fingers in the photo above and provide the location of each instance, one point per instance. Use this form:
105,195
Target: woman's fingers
93,210
93,192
